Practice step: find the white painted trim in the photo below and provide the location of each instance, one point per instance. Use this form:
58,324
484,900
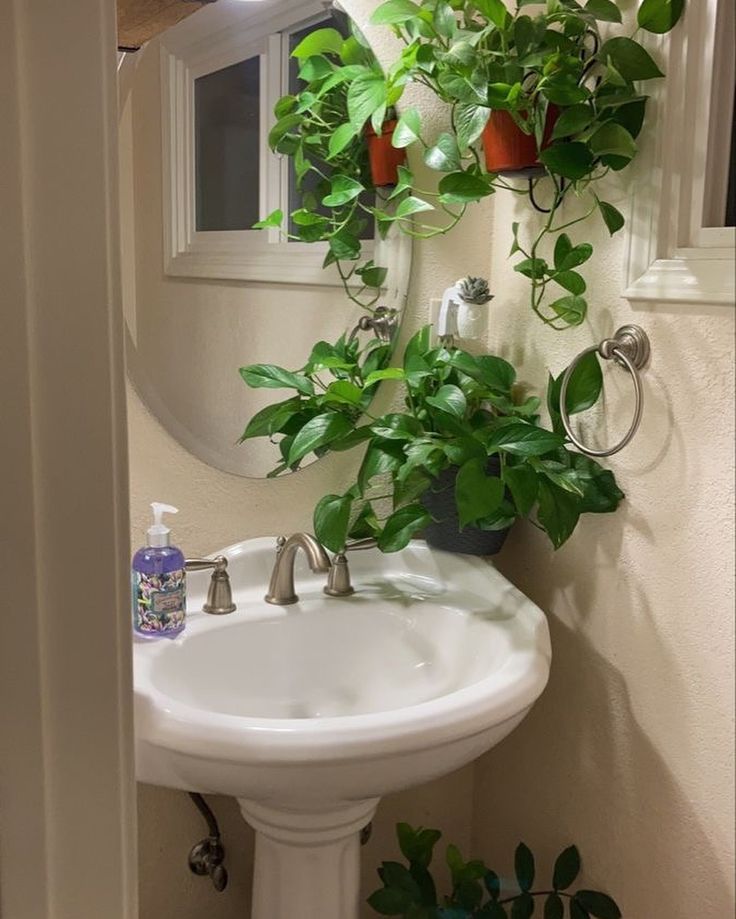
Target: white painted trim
247,255
671,257
67,783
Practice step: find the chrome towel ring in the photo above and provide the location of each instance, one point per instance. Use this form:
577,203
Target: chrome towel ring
630,348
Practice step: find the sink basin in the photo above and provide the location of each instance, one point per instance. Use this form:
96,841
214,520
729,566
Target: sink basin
309,713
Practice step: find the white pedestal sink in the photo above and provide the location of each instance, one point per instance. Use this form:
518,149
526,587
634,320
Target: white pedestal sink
308,714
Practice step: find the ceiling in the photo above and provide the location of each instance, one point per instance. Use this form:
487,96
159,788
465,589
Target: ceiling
141,20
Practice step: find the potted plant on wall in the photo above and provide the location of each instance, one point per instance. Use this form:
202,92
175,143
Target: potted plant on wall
461,462
546,96
338,132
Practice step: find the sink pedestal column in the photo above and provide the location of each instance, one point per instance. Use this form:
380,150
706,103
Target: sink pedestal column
307,864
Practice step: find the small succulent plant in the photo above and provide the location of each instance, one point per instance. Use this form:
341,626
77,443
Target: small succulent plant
475,290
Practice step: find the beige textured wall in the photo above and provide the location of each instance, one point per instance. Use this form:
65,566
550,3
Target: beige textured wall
629,751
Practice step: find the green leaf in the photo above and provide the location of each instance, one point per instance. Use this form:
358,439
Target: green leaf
659,16
613,138
493,884
612,217
269,376
417,845
389,902
395,12
270,419
585,385
450,399
495,372
343,136
444,19
381,458
561,475
412,205
572,121
570,309
331,521
554,907
524,867
321,41
494,10
462,188
274,219
532,268
558,513
601,494
397,427
598,904
408,128
567,868
418,344
317,433
571,281
366,95
578,255
444,156
522,907
523,440
372,275
343,391
571,160
629,59
577,911
343,189
314,69
405,181
476,493
401,526
605,10
563,248
470,120
523,484
398,877
388,373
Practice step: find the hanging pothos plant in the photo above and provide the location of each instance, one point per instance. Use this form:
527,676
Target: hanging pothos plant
511,80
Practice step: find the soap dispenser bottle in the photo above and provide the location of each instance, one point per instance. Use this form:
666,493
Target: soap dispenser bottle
159,582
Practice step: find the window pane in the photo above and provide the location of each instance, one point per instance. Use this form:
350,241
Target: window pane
295,85
227,139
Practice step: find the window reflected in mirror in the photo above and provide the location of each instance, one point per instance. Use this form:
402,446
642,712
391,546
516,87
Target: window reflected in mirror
227,146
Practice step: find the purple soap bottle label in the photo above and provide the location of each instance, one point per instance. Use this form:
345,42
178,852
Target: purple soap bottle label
159,602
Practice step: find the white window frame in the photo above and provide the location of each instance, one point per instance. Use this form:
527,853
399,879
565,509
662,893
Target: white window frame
672,256
250,255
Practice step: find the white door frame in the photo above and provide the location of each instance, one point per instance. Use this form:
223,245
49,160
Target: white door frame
67,782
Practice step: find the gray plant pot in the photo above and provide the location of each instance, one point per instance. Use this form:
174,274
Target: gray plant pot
445,532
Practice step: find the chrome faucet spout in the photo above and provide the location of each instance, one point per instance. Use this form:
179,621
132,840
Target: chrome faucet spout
281,587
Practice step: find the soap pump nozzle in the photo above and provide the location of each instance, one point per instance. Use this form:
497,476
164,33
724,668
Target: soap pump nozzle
158,534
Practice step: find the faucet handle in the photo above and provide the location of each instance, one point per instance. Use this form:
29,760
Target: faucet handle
338,578
219,595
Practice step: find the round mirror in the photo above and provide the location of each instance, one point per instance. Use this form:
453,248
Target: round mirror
204,292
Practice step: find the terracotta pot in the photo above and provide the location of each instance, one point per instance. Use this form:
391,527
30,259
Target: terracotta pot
384,158
511,152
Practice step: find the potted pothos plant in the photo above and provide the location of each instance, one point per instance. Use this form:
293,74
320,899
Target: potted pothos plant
459,463
342,155
547,95
410,891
